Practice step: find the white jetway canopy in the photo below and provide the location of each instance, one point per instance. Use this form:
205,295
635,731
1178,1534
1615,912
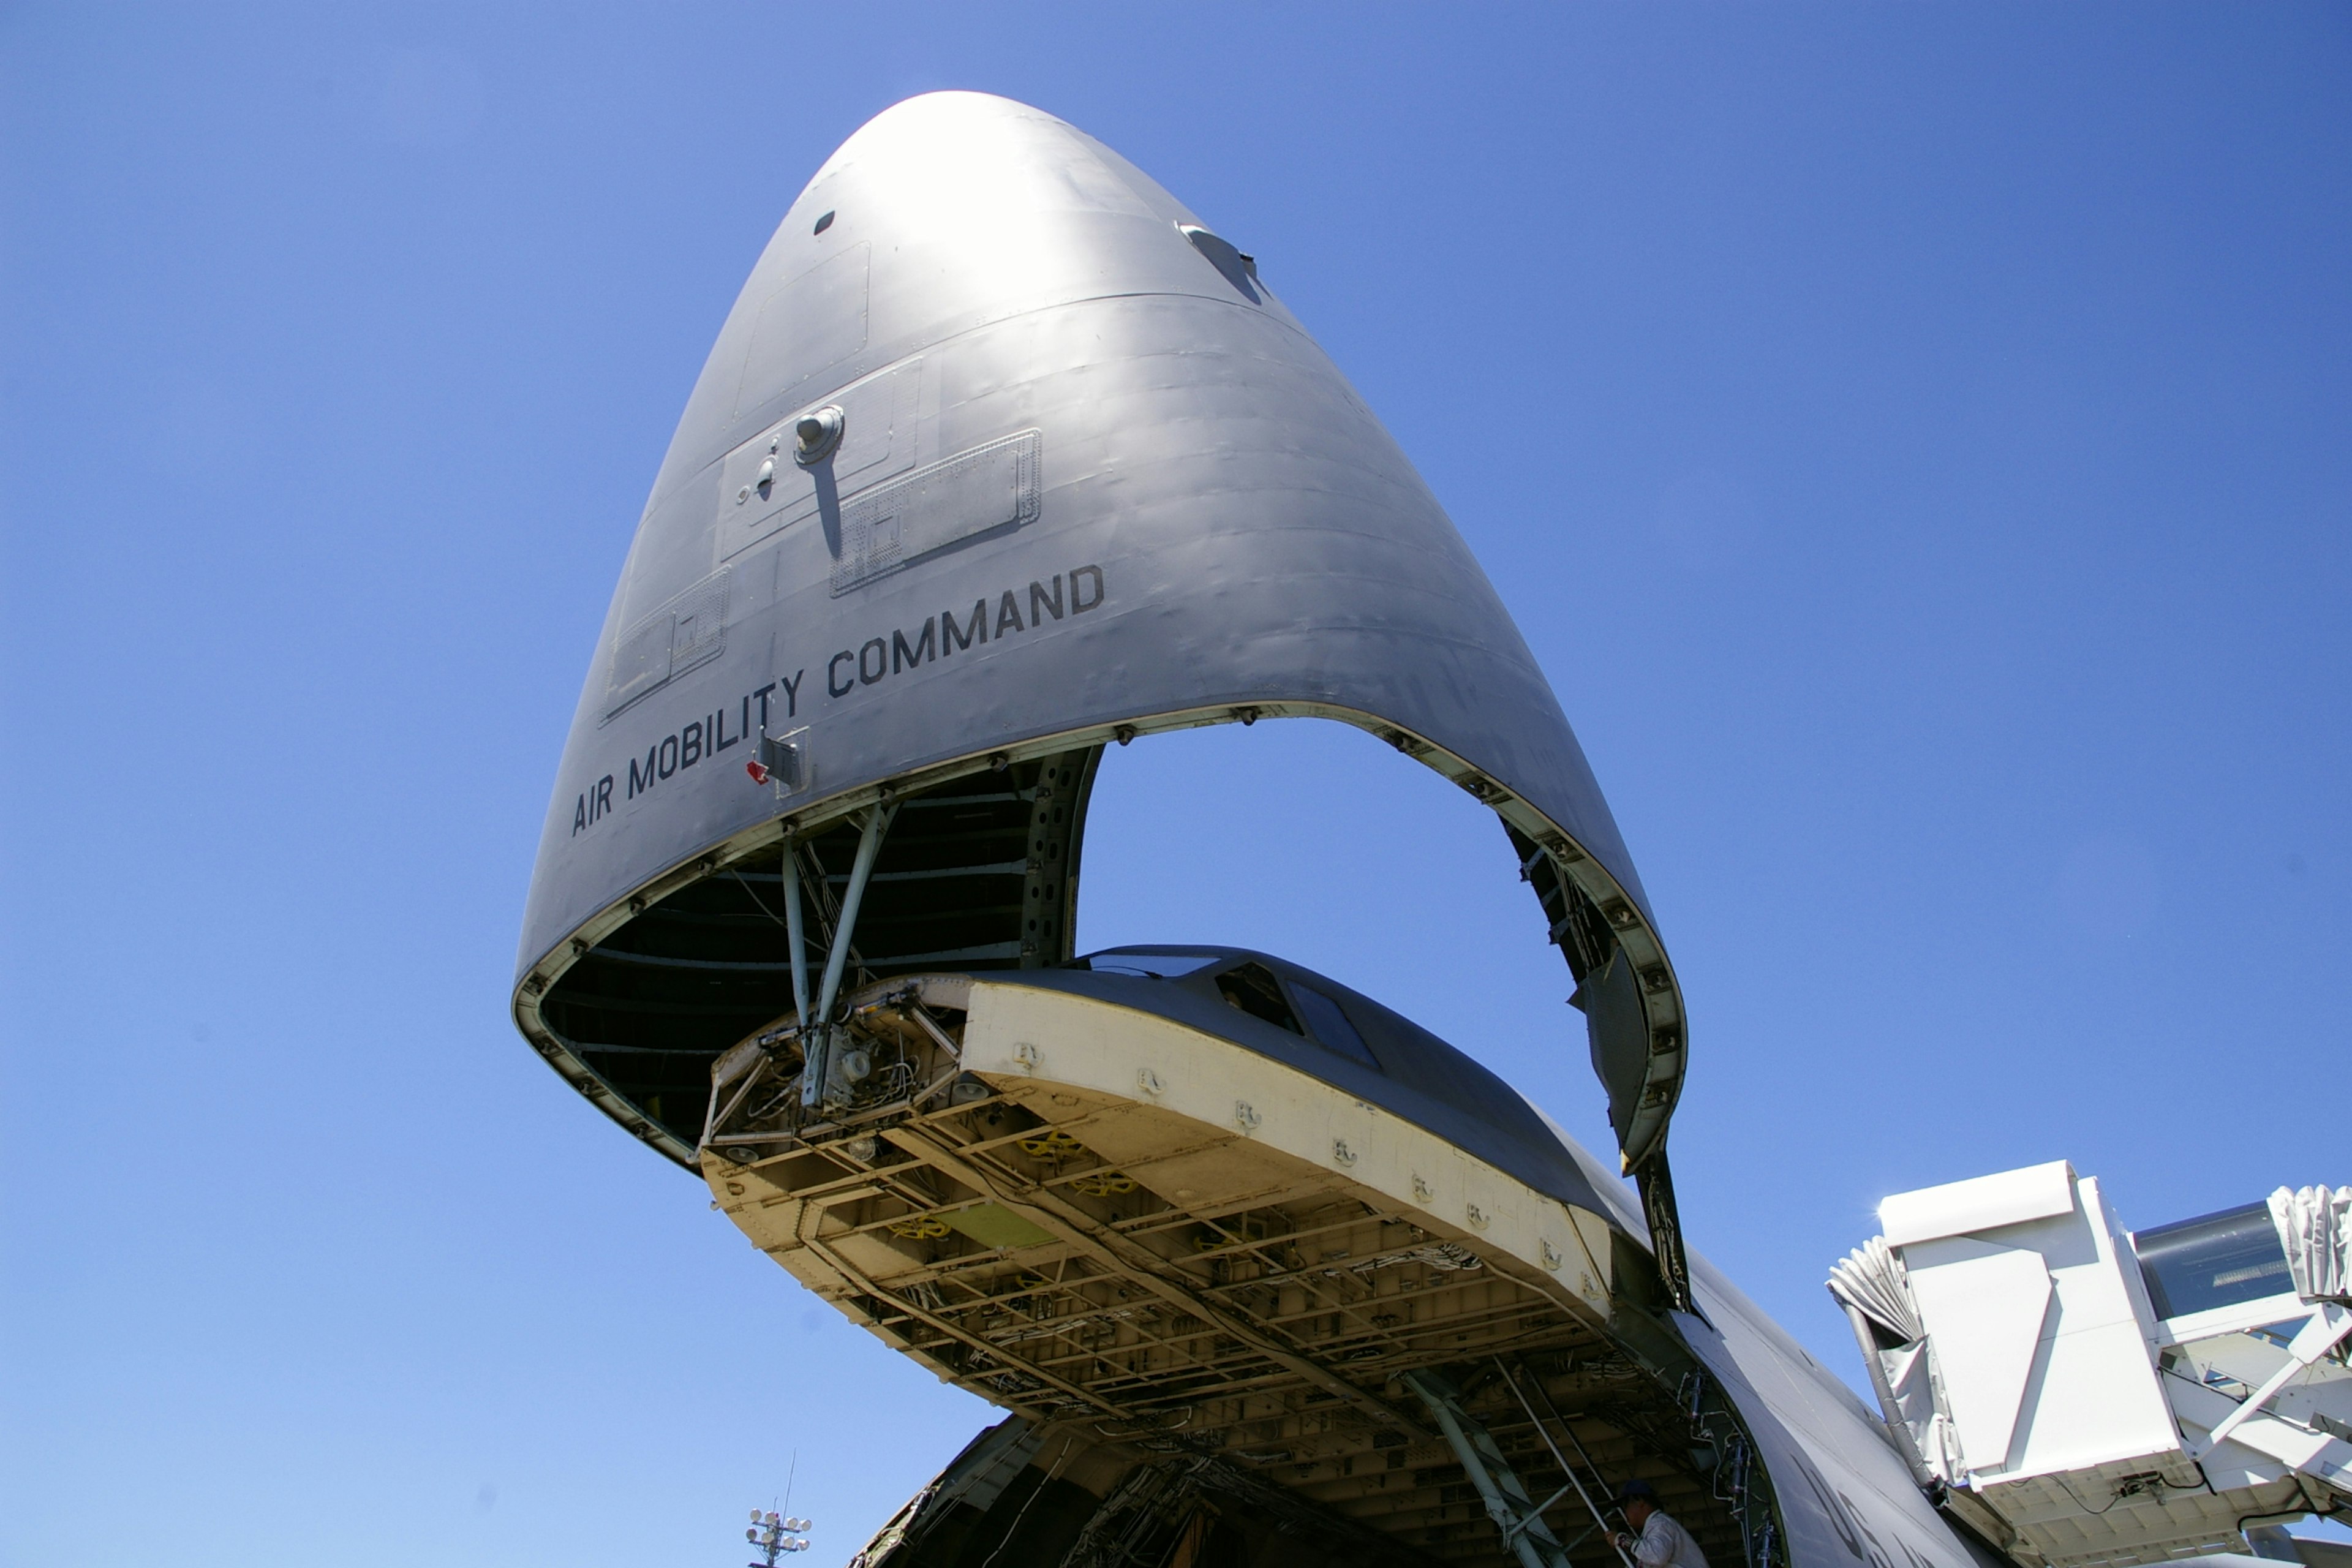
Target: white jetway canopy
2091,1396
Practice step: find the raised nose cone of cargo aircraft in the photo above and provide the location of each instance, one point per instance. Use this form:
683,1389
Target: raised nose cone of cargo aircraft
1003,455
1000,456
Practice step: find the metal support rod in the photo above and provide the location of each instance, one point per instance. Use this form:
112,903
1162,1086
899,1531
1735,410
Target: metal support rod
817,1033
1523,1530
1570,1427
923,1015
2326,1324
1582,1536
1600,1519
1536,1513
796,933
861,870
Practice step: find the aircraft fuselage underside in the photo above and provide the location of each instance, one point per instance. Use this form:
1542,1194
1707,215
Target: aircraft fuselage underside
1155,1245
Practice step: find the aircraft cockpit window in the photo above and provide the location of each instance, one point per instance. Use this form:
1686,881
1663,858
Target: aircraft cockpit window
1329,1022
1253,988
2219,1261
1149,965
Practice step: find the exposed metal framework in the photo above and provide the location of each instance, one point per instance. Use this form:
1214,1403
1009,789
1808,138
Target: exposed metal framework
1167,1290
978,869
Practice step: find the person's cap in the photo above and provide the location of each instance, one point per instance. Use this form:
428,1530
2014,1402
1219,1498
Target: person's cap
1637,1488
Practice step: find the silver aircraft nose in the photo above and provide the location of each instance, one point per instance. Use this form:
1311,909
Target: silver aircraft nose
1002,455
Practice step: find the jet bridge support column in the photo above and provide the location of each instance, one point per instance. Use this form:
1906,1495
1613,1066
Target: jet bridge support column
1517,1515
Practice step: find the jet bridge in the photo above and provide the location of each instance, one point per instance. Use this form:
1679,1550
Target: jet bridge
2084,1395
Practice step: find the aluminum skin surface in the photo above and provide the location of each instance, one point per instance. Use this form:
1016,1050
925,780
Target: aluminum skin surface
1089,478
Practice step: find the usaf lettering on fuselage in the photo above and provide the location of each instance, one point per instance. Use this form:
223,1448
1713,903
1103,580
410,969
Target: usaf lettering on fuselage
871,663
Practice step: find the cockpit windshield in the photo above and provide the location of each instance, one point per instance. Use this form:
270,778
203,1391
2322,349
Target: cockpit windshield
1151,964
1247,986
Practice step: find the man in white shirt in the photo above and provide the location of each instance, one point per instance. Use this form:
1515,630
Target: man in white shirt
1658,1541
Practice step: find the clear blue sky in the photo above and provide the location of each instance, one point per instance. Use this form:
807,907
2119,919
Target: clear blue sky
1916,439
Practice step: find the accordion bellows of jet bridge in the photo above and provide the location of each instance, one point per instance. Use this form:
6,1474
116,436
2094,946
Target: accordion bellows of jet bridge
1003,460
2096,1396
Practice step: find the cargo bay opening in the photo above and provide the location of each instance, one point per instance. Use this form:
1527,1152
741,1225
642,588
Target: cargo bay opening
979,873
980,869
1393,1378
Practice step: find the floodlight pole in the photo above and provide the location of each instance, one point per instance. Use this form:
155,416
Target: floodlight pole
772,1536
